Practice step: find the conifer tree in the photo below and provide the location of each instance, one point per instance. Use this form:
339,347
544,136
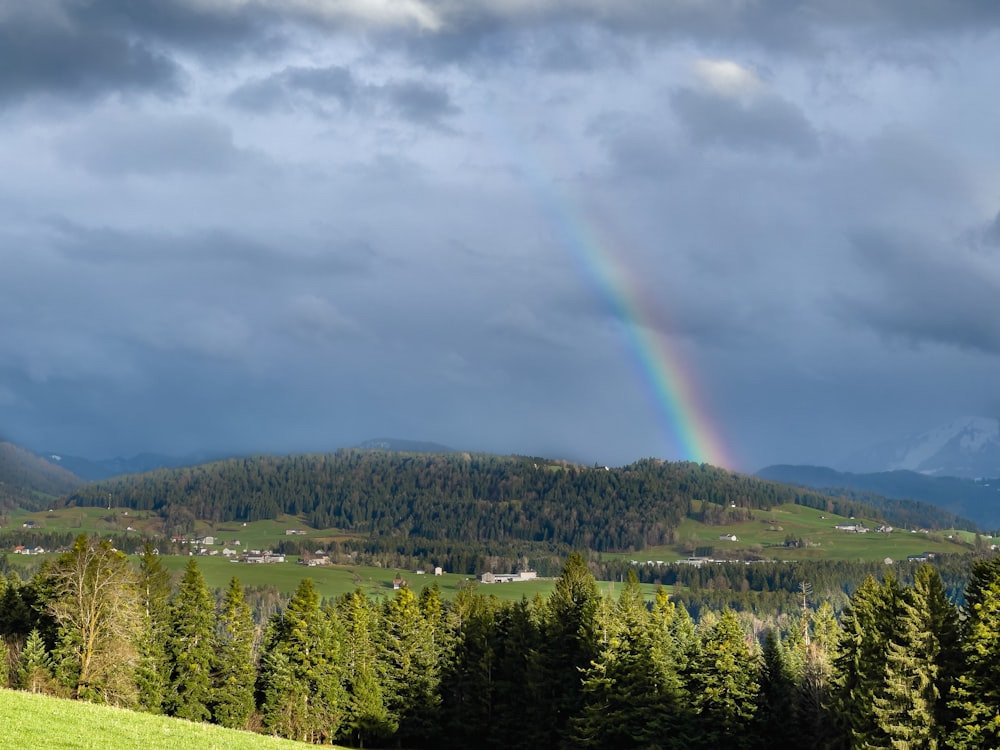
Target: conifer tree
570,645
301,686
621,688
976,696
35,671
189,648
725,685
776,722
674,647
867,627
412,668
367,717
152,671
233,678
920,666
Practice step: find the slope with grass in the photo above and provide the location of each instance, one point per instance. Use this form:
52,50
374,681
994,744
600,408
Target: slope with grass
37,721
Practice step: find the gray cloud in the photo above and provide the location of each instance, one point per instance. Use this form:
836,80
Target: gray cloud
758,123
926,295
57,59
154,146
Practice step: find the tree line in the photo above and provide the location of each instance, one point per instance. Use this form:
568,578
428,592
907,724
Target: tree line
903,667
474,497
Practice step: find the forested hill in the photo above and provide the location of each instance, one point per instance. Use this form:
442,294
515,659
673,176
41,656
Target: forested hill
467,497
31,482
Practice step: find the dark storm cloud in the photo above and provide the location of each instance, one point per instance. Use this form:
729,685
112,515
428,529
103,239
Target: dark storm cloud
419,102
42,57
755,123
924,295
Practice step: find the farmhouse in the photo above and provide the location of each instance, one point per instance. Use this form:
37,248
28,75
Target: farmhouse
525,575
855,528
256,557
727,537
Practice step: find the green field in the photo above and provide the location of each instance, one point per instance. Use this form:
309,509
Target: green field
764,537
37,721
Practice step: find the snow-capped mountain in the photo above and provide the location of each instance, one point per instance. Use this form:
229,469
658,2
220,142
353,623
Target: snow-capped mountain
967,447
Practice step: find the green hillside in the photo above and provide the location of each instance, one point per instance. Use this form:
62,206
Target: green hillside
29,481
38,721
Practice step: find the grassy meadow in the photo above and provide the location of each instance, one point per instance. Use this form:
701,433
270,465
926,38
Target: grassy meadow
38,721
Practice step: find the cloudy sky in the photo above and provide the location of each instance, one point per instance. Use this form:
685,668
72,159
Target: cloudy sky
284,225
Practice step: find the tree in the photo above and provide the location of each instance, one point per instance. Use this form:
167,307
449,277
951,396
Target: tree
4,663
301,687
189,648
920,665
621,688
233,679
976,697
153,672
570,645
867,627
367,716
92,596
35,672
725,685
412,669
776,720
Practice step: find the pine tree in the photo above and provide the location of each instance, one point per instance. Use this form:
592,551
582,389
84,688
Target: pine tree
367,717
35,672
912,707
776,723
152,672
976,695
412,668
867,627
569,641
622,702
302,692
189,648
233,678
725,685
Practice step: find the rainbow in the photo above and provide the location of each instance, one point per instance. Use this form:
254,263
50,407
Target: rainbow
672,383
687,426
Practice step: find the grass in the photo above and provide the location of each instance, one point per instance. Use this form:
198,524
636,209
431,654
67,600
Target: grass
36,721
764,536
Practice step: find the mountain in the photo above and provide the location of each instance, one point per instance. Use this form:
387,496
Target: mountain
967,447
28,481
403,446
962,498
93,471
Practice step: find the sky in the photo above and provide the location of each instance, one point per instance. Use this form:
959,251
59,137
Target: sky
725,230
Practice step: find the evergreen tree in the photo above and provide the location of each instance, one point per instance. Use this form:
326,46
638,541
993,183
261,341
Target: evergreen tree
570,645
674,648
412,668
725,686
233,679
920,664
189,648
868,626
776,722
621,688
35,672
367,717
302,694
976,696
153,670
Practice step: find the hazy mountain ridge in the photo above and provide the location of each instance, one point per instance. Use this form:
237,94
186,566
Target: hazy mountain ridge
96,470
28,481
978,501
968,447
403,446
